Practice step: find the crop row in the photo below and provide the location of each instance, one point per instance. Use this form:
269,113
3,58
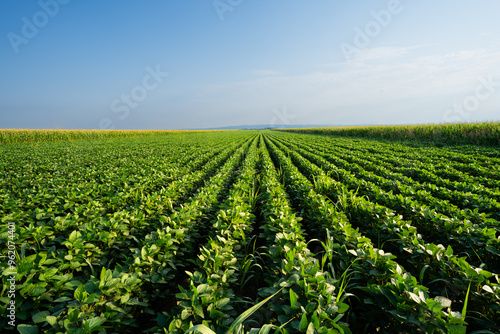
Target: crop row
96,247
467,230
247,232
381,282
384,224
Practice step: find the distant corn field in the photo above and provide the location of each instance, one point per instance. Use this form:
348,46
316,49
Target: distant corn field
11,136
458,133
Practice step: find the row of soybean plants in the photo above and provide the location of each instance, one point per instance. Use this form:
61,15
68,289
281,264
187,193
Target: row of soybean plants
473,231
303,294
429,164
478,204
84,224
479,234
377,213
441,166
117,219
465,195
40,218
477,198
466,230
210,298
386,296
295,294
474,161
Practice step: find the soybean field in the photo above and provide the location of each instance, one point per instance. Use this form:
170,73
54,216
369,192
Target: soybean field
249,232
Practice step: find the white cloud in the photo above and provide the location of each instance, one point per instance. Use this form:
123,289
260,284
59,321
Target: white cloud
388,81
266,73
381,53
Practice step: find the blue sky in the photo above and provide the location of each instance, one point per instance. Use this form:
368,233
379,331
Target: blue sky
193,64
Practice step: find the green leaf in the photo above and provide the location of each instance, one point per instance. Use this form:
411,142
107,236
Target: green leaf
40,317
315,320
162,320
103,274
343,307
80,293
24,268
36,291
293,297
266,329
201,329
202,288
185,314
125,298
94,323
242,317
310,328
464,309
75,331
223,303
449,251
485,273
303,322
51,320
27,329
73,236
433,305
134,301
457,329
198,309
422,272
49,273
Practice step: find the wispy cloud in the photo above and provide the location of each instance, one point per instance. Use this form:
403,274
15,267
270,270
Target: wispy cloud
378,80
266,73
382,54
